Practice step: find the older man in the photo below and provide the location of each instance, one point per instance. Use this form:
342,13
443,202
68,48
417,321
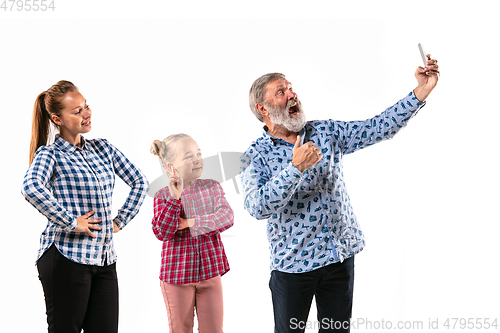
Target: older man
292,176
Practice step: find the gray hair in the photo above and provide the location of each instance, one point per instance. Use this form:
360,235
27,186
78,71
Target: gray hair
165,149
258,90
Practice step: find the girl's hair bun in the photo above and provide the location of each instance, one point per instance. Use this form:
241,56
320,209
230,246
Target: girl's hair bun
155,147
166,149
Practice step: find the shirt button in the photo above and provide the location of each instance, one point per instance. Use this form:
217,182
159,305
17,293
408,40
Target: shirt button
328,212
331,232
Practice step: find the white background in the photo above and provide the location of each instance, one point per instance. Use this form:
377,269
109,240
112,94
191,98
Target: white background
427,200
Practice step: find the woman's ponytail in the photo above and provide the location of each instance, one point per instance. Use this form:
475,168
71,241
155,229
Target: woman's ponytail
41,125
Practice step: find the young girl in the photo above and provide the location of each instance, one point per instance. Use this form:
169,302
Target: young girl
189,215
70,181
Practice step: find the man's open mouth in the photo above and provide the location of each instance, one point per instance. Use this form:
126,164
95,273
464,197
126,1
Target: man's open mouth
292,109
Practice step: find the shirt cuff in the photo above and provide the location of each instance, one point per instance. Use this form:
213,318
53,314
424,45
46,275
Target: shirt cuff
411,99
118,223
72,226
293,172
173,201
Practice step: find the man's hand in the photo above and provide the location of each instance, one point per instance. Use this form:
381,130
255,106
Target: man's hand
427,79
306,156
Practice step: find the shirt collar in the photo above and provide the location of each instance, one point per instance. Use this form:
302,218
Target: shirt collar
67,147
271,139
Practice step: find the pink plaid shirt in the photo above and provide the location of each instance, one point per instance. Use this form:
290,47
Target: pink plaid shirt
192,254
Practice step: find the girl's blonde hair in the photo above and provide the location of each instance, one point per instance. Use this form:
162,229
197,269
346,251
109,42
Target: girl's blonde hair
165,149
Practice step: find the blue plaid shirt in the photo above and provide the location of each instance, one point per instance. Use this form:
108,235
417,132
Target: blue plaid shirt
311,222
65,182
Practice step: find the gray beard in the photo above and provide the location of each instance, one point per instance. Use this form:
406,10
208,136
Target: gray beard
282,119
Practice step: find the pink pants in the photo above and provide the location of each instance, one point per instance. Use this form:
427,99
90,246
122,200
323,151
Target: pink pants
182,299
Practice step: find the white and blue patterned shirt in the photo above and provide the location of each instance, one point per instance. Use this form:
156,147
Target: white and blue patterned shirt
65,182
311,222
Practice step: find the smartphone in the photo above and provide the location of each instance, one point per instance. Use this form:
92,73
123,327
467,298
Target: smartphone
423,54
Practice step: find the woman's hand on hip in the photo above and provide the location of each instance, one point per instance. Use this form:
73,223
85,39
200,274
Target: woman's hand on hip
85,224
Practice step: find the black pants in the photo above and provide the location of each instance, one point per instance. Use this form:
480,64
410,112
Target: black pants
78,296
292,295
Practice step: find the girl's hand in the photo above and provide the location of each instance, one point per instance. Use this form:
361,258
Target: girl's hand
85,224
186,223
175,185
115,228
